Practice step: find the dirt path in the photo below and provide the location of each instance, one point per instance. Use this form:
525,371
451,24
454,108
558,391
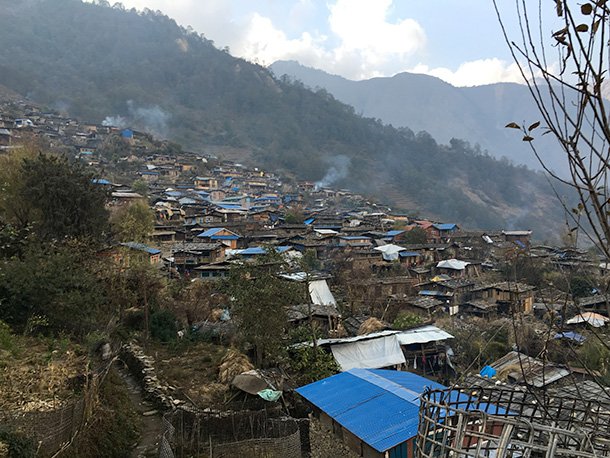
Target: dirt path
151,421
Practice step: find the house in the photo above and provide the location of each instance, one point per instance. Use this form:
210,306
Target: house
144,252
190,255
205,183
457,268
5,137
424,306
520,238
219,234
425,350
479,307
374,412
214,271
509,296
443,232
325,317
598,304
517,368
357,241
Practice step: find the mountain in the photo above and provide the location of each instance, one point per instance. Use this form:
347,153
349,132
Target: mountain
108,64
426,103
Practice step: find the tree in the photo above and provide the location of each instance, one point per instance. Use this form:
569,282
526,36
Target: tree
140,186
133,223
416,236
54,284
259,297
64,197
15,210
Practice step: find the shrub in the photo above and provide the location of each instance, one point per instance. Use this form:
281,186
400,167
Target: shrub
407,320
163,326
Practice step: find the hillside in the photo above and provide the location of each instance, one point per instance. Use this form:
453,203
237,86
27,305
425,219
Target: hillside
107,64
423,102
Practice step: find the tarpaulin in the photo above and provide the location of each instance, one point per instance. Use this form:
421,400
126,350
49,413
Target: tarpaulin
369,354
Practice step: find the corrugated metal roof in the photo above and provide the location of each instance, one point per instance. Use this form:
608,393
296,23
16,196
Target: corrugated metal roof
445,227
381,407
423,335
141,247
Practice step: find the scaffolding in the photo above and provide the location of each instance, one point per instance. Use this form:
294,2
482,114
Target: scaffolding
503,422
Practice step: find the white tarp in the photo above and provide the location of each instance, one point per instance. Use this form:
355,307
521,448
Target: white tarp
594,319
320,293
454,264
369,354
390,251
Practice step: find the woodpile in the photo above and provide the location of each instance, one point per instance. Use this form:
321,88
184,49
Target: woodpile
233,363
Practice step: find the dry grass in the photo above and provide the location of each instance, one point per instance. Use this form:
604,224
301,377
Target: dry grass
35,374
233,363
191,369
371,325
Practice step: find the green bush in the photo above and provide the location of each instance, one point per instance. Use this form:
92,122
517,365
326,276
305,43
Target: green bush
19,445
311,364
7,340
163,326
407,320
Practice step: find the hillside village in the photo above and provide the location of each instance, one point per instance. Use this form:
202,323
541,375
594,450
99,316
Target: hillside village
435,302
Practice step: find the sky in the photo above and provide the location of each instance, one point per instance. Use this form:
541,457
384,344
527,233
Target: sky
459,41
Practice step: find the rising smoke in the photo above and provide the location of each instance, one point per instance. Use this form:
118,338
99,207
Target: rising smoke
338,170
153,120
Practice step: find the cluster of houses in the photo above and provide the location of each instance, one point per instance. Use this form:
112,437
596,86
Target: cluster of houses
369,262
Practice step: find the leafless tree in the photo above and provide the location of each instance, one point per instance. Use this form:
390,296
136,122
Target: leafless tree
565,69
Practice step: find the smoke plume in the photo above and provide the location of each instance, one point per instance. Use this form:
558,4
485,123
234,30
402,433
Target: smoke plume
338,170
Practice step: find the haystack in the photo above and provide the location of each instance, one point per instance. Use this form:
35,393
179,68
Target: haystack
371,325
233,363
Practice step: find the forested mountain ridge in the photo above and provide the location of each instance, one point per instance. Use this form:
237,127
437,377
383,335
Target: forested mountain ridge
95,62
423,102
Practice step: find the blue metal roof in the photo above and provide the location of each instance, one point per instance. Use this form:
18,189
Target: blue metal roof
445,227
393,233
409,254
256,250
308,221
141,247
210,232
381,407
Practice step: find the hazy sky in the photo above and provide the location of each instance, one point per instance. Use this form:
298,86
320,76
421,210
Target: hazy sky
457,40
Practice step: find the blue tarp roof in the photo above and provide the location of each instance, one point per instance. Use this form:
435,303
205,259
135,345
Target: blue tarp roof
101,181
141,247
427,292
309,221
571,335
381,407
